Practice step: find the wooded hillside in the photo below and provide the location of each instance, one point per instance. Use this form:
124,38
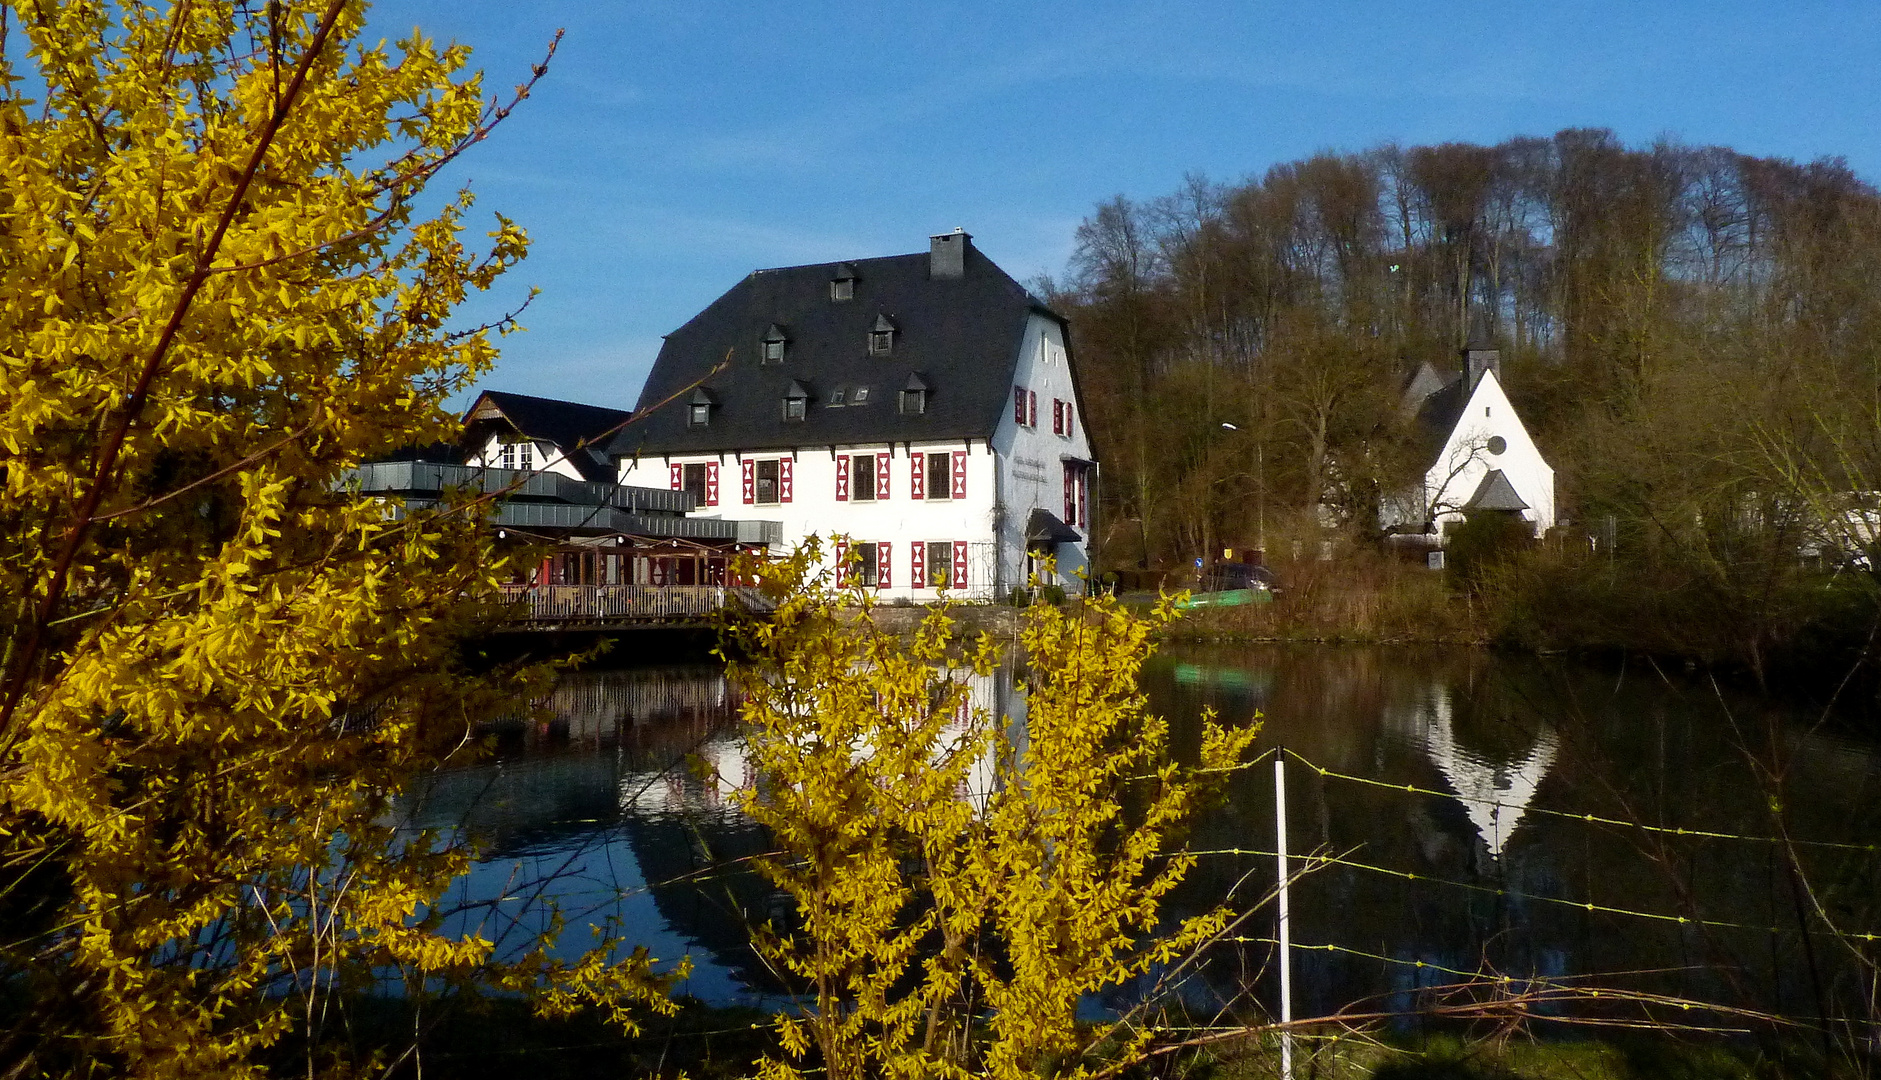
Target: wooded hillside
1672,320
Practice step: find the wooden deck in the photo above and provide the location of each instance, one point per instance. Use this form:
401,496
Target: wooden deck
601,607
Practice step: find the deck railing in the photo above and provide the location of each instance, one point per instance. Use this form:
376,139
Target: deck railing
622,603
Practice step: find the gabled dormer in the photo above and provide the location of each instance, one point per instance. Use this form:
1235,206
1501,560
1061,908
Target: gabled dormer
882,336
796,401
772,345
842,283
914,395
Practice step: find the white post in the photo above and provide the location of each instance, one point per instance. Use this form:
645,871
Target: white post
1286,927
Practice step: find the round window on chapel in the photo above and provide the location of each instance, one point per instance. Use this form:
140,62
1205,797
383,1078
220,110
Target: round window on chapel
1497,444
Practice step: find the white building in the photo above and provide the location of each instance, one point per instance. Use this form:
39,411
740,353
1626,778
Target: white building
922,408
1483,458
533,434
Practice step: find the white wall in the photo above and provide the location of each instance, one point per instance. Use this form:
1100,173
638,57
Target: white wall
1465,459
1032,457
542,456
899,519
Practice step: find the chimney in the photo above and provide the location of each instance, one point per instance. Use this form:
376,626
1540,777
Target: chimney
1481,355
947,255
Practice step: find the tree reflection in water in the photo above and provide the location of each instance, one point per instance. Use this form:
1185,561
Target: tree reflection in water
630,784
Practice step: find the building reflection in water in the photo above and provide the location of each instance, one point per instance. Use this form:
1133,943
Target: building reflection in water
622,805
1495,791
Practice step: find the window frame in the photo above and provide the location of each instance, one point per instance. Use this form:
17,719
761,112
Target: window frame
859,465
699,414
945,565
944,491
914,402
685,481
758,481
841,289
796,409
868,573
881,343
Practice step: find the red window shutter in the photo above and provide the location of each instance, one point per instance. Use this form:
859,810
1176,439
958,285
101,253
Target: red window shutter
842,477
711,483
1071,495
783,479
883,565
1084,499
842,562
1058,417
751,482
1018,404
920,566
960,565
917,475
1070,428
1031,408
960,474
678,475
881,474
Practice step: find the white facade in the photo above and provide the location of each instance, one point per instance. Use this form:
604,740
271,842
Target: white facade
514,452
976,518
1488,436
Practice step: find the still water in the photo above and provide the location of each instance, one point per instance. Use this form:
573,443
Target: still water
1450,789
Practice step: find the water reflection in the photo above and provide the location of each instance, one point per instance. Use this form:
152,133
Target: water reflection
1496,787
622,806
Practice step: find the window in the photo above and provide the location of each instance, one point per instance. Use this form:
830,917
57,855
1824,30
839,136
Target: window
1018,405
700,415
940,476
838,396
861,396
865,567
694,482
771,345
913,402
767,482
1497,444
842,289
940,563
795,408
881,337
862,477
506,456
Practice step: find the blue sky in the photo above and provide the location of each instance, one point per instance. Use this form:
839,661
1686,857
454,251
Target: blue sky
673,148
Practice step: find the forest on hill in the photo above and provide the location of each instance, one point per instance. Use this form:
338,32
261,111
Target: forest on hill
1692,335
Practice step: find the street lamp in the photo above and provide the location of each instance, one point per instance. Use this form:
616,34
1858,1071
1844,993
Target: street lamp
1260,496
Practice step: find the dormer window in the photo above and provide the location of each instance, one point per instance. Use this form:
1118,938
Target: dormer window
771,348
699,408
860,396
914,396
796,401
881,337
838,396
842,285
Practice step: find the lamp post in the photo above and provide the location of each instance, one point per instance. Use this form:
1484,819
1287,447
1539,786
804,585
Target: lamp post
1260,494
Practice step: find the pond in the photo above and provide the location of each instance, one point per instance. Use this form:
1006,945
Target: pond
1470,813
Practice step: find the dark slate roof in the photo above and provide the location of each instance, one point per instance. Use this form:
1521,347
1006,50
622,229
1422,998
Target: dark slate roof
1437,415
960,337
1495,493
565,423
